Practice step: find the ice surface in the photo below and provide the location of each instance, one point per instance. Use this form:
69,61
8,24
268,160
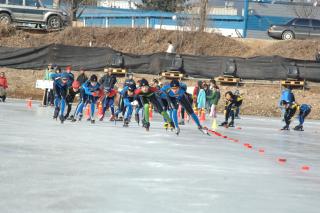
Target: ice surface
83,167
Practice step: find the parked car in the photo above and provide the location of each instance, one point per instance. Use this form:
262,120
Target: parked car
31,12
297,28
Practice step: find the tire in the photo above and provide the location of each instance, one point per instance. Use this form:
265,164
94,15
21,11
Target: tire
287,35
54,22
5,19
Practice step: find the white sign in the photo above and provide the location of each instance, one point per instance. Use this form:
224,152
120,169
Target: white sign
44,84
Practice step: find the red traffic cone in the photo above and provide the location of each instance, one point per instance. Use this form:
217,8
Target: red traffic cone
88,111
203,115
100,109
29,103
150,113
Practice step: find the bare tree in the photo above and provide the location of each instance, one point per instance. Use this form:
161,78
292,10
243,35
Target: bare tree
203,14
304,10
75,7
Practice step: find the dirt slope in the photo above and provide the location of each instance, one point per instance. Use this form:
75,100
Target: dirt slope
143,41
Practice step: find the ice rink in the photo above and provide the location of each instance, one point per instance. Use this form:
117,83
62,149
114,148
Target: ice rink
46,166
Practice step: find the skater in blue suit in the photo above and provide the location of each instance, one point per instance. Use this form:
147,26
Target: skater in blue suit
89,94
176,93
61,83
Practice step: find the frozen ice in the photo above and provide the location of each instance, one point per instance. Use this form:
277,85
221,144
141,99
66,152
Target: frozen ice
46,166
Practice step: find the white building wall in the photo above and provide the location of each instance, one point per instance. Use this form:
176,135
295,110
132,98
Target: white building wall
123,4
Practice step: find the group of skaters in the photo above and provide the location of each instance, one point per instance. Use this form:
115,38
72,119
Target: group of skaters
135,97
171,100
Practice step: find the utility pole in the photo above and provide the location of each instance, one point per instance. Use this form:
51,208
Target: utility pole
245,17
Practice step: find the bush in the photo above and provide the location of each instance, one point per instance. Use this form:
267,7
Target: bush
7,30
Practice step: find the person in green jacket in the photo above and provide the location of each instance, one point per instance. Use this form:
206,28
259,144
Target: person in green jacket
213,99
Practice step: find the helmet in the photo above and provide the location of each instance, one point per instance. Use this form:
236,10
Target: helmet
93,78
64,75
107,89
76,85
68,68
174,83
132,87
144,82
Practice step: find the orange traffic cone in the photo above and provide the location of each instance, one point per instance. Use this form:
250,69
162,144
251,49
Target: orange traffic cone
150,113
88,111
186,116
29,103
100,109
203,115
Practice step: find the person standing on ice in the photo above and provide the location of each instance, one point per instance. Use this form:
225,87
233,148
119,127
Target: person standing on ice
129,81
176,92
108,80
3,87
213,99
82,77
201,99
89,94
149,95
47,92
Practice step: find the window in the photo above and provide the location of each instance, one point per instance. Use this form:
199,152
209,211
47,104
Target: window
32,3
315,23
302,22
2,1
16,2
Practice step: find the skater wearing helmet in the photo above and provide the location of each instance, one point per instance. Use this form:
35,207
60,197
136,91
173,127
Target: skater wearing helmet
72,92
290,110
129,100
230,108
89,94
108,102
61,83
149,95
176,92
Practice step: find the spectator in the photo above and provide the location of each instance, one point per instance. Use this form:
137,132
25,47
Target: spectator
201,99
213,99
82,77
3,87
317,56
48,93
129,81
171,48
108,80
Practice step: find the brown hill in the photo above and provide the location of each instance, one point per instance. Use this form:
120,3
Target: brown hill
144,41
